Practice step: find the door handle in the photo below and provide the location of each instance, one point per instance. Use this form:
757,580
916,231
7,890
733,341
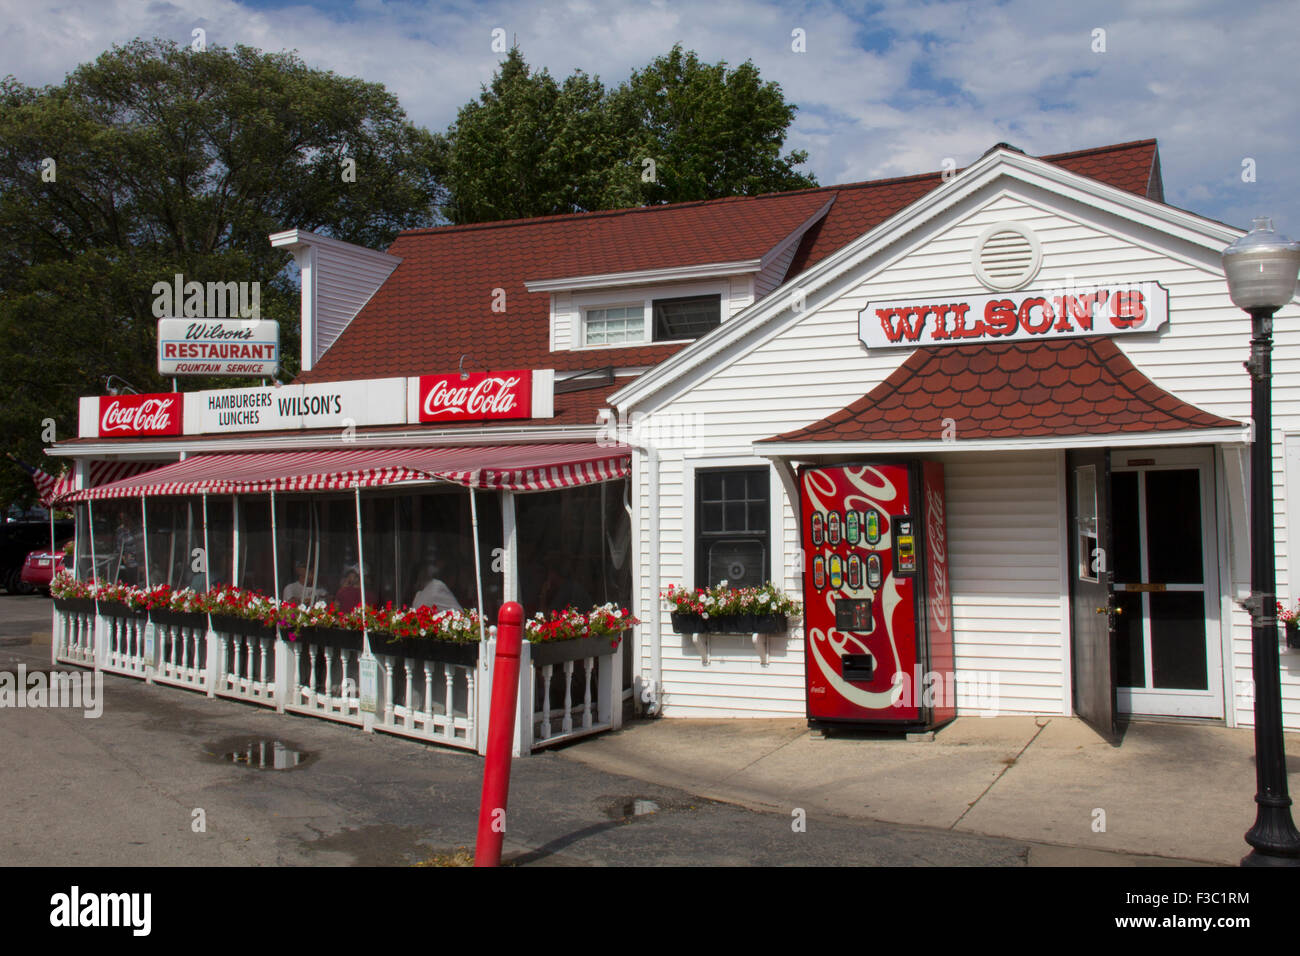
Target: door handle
1110,610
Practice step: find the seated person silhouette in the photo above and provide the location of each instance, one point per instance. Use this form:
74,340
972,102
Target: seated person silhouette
349,593
430,589
298,591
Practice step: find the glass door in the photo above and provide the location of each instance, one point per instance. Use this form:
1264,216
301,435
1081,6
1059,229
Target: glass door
1169,653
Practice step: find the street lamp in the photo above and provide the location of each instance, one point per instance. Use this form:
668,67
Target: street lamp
1261,269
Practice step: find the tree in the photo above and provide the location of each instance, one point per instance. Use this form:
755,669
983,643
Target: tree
531,147
676,131
156,160
711,132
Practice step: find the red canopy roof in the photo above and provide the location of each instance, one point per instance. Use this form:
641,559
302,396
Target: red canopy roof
510,468
1060,387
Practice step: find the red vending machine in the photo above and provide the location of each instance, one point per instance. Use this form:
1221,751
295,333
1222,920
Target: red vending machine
877,612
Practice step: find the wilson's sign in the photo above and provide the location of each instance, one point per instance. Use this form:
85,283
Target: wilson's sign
1111,310
220,347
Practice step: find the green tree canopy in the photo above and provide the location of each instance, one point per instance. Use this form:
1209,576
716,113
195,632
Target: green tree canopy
676,131
156,159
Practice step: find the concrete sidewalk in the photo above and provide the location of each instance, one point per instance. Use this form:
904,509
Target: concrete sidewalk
1178,790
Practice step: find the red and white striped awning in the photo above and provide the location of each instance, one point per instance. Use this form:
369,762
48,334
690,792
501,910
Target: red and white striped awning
507,468
100,473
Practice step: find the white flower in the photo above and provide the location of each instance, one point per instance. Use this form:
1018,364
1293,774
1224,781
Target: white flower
763,599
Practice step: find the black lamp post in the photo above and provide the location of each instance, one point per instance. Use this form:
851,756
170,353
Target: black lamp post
1261,269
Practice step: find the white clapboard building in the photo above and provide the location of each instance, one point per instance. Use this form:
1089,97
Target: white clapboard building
1048,328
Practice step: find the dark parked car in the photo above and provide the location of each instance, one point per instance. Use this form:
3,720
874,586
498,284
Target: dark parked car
17,540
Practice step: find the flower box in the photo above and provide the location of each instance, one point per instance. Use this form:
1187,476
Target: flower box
731,624
557,652
689,624
75,605
114,609
169,618
463,653
227,624
343,638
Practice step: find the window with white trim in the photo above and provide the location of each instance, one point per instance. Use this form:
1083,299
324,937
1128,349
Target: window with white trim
612,326
732,527
672,319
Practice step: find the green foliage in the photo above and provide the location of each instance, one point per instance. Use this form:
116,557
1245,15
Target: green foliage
169,160
532,147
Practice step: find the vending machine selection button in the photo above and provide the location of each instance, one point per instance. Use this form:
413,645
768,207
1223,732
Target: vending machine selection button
833,528
852,526
873,526
818,523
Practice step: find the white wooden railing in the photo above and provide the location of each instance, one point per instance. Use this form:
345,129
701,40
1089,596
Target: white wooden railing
182,655
125,651
568,699
325,681
429,700
74,637
434,701
245,665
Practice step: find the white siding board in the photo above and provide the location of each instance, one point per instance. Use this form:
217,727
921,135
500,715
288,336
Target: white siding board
1006,542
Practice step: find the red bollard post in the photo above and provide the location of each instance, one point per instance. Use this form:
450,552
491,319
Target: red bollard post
501,735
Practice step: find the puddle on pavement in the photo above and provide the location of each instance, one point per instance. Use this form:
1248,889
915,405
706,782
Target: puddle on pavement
632,807
259,753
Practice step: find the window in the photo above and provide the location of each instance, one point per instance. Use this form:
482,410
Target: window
732,527
672,319
686,318
612,326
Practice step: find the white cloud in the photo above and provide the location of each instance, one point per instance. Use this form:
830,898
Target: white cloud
941,79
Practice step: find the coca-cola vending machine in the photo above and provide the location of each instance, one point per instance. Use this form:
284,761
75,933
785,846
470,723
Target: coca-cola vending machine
878,615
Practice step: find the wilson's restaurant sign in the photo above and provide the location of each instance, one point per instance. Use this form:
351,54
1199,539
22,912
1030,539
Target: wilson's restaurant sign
1114,310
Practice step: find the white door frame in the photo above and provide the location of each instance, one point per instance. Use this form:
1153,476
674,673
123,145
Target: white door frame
1208,703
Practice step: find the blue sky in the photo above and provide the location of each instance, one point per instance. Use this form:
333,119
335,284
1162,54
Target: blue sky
884,88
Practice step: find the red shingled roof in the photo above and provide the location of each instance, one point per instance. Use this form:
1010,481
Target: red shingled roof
1057,387
437,304
1133,167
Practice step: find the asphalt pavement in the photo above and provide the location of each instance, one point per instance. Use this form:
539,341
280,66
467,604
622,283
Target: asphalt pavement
152,782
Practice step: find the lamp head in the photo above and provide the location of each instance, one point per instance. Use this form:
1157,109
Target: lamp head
1261,267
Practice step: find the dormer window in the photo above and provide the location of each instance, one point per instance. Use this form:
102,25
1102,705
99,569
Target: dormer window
686,318
615,325
673,320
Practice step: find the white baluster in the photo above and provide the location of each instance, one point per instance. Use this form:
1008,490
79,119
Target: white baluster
346,663
428,694
586,694
471,703
449,700
388,689
296,697
266,683
329,676
546,702
566,725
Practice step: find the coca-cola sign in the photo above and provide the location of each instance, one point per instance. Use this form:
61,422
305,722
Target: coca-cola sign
128,415
483,395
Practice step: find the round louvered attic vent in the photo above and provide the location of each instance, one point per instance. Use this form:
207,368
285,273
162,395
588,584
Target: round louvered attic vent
1006,257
